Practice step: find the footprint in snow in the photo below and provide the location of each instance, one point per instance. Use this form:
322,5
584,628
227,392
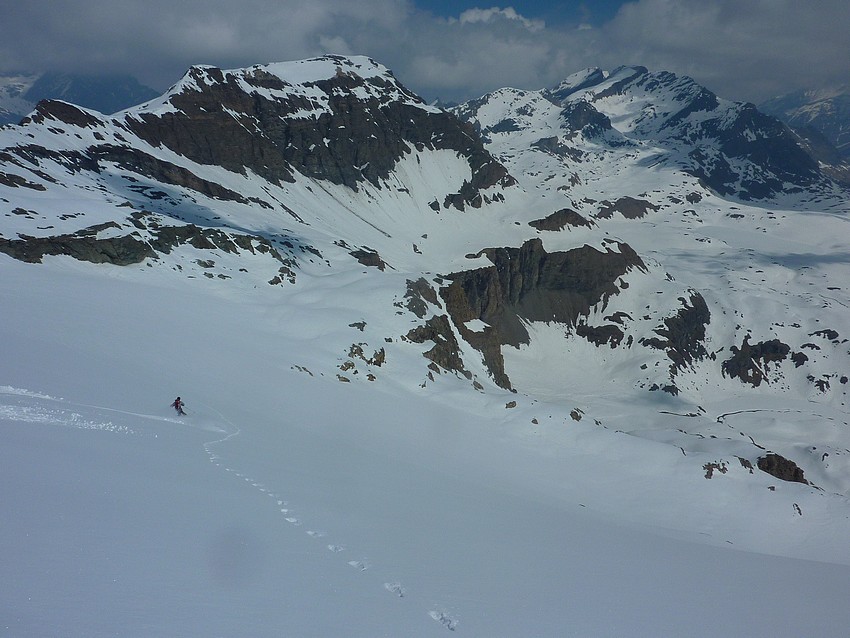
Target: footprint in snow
445,620
395,588
362,565
293,520
336,548
316,534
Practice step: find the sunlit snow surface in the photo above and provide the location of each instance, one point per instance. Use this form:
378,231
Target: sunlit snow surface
291,504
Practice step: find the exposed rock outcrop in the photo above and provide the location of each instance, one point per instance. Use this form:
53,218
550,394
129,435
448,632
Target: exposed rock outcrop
528,284
601,335
83,245
782,468
628,207
749,363
683,335
348,136
419,294
446,350
369,257
149,239
141,163
581,116
560,219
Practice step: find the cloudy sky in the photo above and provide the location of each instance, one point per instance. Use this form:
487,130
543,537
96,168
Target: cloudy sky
451,49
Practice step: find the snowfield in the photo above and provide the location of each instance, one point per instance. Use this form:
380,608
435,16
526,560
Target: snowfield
287,503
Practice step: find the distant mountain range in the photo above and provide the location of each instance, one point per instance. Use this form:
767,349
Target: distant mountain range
826,111
614,229
20,93
822,120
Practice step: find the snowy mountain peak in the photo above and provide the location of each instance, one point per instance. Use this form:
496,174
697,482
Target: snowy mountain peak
106,94
13,101
302,79
826,111
577,81
730,146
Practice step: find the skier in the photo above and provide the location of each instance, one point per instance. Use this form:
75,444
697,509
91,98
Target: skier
178,405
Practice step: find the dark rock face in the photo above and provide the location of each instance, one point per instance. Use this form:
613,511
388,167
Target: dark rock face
601,335
27,155
829,158
529,284
126,157
827,333
134,247
581,116
799,358
628,207
560,93
16,181
683,334
555,146
82,245
203,129
559,220
63,112
352,139
369,257
419,294
507,125
781,468
774,148
446,351
749,362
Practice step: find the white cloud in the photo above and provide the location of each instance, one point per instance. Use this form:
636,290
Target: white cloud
742,49
335,44
471,16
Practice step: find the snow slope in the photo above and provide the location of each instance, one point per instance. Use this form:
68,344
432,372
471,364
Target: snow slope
292,504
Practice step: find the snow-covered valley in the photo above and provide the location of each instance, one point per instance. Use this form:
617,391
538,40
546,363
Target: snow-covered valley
600,477
290,504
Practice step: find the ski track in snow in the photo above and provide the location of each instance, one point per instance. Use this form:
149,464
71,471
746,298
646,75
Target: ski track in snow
65,416
393,587
30,409
60,417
